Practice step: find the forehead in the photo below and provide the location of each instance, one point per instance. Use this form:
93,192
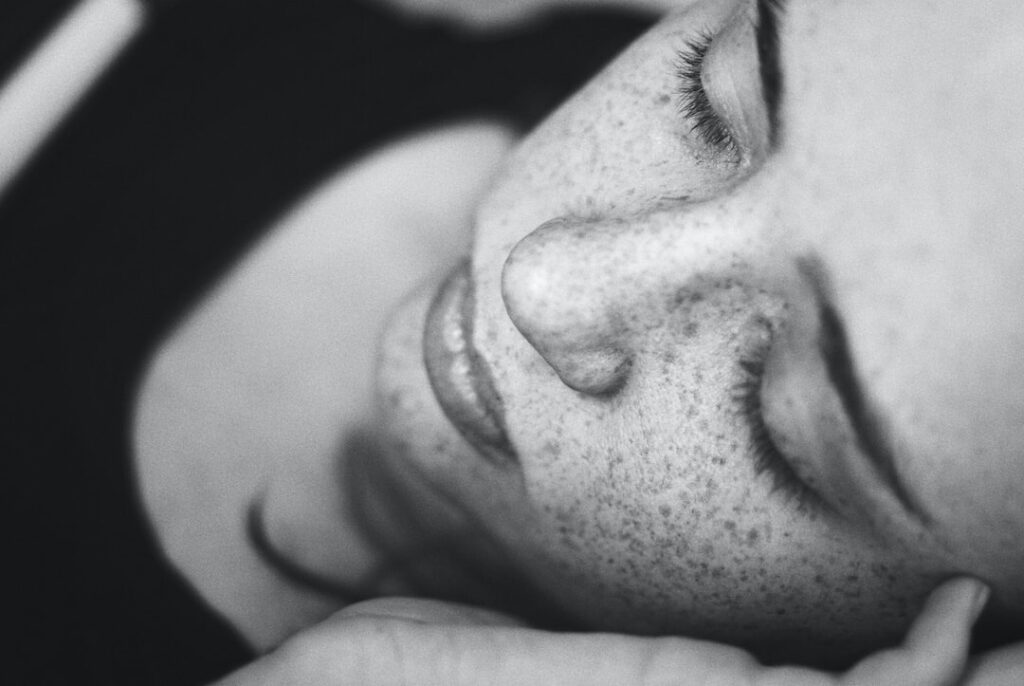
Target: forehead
902,167
899,77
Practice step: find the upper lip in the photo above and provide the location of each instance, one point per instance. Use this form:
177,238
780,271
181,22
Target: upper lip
459,376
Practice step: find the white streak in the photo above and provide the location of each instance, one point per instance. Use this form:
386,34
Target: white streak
47,85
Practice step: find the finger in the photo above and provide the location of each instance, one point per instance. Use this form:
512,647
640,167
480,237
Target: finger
426,611
404,653
934,652
1001,667
536,657
372,650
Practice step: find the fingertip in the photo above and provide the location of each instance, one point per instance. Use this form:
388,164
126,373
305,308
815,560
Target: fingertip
959,600
938,641
980,600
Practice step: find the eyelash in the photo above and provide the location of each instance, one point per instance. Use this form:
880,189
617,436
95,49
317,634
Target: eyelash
693,99
767,457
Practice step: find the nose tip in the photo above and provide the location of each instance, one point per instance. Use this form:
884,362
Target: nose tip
591,295
567,315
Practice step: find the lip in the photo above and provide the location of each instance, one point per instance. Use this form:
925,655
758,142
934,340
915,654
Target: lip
459,376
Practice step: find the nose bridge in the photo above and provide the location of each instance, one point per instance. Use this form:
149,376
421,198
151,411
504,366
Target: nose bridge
583,291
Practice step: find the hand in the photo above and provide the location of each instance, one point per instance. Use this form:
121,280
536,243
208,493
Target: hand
422,642
1002,667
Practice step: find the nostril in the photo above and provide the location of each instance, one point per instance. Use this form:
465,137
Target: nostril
596,372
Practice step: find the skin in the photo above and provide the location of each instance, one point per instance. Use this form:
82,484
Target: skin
624,270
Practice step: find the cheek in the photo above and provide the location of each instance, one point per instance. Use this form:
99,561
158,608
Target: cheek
651,503
679,537
645,512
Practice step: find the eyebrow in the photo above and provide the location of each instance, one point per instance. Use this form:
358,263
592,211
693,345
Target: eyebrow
870,428
869,425
769,13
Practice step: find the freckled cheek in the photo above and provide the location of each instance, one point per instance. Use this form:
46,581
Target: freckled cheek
643,512
657,550
650,518
645,501
689,555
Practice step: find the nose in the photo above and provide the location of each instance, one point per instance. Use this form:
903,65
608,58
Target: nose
589,295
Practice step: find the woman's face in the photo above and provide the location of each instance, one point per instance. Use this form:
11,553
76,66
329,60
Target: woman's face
740,373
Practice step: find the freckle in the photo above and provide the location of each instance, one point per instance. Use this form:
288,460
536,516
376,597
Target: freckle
552,448
662,99
730,525
752,536
687,296
691,329
665,511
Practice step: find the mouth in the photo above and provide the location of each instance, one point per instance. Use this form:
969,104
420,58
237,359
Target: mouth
459,376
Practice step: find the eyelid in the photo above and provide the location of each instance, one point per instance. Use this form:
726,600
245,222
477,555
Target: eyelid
705,122
805,414
769,457
731,79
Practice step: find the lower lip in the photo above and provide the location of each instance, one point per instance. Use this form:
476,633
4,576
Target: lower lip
460,378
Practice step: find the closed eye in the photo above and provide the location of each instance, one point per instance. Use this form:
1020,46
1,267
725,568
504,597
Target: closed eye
694,104
768,459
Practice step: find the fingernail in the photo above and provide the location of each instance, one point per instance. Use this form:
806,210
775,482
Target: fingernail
978,600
